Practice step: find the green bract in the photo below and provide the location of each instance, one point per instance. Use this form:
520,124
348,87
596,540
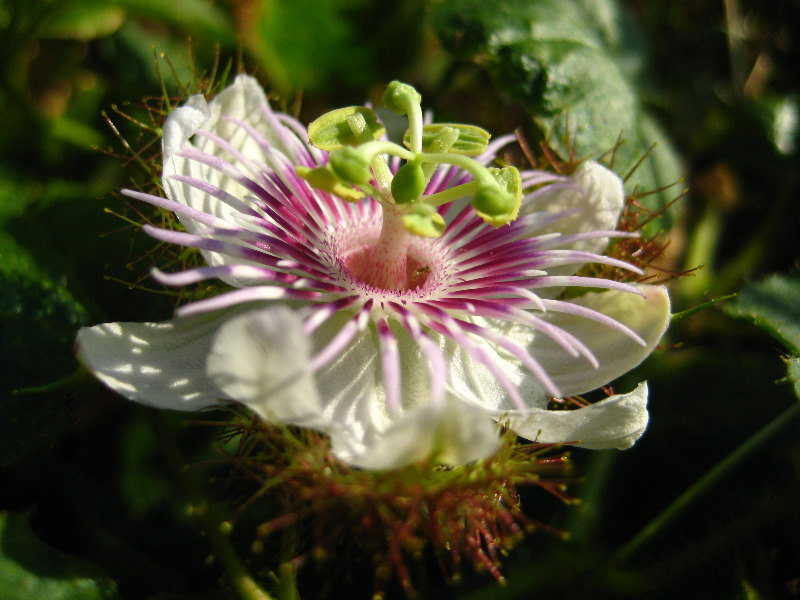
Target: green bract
467,140
348,126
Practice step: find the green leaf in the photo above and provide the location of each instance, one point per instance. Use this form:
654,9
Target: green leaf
200,17
305,57
572,64
30,568
81,20
38,322
774,306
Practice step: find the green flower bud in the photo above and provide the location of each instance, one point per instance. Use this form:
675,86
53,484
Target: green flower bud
400,97
348,164
408,183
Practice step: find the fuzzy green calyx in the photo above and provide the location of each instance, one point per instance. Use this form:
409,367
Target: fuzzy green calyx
349,126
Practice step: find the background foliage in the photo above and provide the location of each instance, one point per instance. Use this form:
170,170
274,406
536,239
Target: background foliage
705,506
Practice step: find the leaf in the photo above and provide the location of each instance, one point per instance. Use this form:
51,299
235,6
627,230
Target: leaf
305,57
772,305
331,45
38,322
572,64
200,17
81,20
30,568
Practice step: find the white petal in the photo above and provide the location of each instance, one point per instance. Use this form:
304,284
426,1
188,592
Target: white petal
159,364
621,418
182,123
352,385
616,422
617,353
451,433
600,199
243,100
365,433
261,359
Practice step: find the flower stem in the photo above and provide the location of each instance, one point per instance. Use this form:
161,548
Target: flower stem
287,572
451,194
215,528
473,167
705,483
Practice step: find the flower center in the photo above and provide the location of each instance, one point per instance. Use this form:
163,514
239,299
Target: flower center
361,266
394,260
358,168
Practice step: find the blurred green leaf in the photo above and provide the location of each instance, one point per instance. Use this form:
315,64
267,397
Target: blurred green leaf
572,64
38,321
31,569
773,305
200,17
334,45
305,57
621,36
81,20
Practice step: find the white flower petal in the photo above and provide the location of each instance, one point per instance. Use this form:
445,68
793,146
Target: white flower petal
451,433
244,101
352,384
616,422
366,433
159,364
600,203
182,123
261,359
616,352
